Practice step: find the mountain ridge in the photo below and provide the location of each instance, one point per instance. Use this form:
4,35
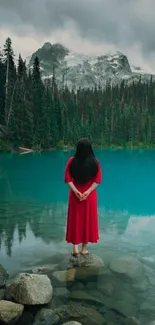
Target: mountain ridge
87,71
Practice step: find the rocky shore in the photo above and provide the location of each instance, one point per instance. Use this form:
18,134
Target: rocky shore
80,290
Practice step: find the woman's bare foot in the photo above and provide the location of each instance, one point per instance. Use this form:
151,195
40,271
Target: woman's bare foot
84,250
75,250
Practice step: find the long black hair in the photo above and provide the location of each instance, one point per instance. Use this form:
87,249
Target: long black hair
84,165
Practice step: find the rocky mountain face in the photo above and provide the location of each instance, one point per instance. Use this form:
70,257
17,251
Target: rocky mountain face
78,70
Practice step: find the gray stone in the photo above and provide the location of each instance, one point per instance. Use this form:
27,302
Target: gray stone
81,314
87,266
46,317
10,312
89,260
3,276
128,266
31,289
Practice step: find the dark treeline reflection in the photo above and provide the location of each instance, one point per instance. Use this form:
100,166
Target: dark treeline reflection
46,223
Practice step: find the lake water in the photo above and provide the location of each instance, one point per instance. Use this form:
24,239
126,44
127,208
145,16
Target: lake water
33,207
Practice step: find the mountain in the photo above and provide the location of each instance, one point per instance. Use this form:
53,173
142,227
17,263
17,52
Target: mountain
86,71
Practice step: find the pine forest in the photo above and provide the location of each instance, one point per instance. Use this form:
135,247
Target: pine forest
39,115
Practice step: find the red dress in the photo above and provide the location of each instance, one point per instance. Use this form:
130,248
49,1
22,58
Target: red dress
82,220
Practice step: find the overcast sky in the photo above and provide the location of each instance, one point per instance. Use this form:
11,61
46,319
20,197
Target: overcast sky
86,26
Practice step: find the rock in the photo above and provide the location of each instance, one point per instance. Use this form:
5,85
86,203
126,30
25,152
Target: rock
147,307
87,266
61,292
84,296
77,285
148,260
31,289
2,294
46,317
125,308
72,323
56,302
62,277
46,269
131,321
10,312
109,283
128,266
3,276
89,260
79,313
108,289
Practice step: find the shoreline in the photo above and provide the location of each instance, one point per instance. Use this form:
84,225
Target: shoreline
22,150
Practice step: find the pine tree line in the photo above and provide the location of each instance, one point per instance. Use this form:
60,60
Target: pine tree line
38,115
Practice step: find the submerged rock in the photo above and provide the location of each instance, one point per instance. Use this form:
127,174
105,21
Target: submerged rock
46,269
131,321
46,317
3,276
86,296
62,277
31,289
79,313
128,266
10,312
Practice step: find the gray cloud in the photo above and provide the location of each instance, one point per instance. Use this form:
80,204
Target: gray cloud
119,22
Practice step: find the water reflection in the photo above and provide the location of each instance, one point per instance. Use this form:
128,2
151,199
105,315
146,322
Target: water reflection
47,223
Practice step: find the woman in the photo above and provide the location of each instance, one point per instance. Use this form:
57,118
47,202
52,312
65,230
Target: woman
82,174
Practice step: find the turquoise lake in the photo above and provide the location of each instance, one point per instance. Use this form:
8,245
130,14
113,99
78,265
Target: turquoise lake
33,208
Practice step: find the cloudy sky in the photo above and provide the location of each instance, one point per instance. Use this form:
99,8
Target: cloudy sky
85,26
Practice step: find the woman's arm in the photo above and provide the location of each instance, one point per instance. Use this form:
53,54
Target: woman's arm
72,186
75,190
92,187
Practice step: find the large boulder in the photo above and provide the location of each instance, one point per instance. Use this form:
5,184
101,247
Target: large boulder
127,266
89,260
10,312
3,276
87,266
31,289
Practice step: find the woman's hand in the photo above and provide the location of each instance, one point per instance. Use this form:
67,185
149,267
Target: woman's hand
86,194
78,194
